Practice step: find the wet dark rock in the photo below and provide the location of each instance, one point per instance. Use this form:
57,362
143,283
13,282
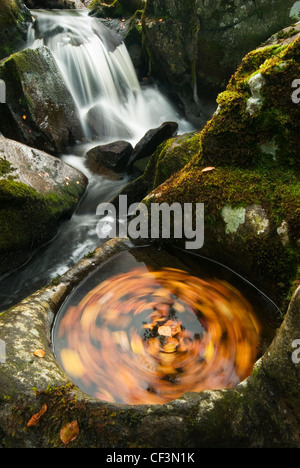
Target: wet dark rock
151,140
39,109
14,21
107,36
194,46
55,4
148,173
133,5
116,9
112,156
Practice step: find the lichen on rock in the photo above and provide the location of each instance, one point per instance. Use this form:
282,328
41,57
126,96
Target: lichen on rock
194,46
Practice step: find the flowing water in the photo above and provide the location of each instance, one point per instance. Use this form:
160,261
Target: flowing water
99,73
111,105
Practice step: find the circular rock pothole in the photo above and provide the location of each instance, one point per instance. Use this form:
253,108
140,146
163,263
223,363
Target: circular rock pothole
262,411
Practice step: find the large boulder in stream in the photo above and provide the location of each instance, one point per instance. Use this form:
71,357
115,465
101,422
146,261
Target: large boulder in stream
37,193
39,109
194,46
14,21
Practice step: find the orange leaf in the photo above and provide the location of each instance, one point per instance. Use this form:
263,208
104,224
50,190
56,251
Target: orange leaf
207,169
69,432
39,353
36,417
165,330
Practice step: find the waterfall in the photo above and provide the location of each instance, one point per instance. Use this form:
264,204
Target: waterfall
99,73
112,105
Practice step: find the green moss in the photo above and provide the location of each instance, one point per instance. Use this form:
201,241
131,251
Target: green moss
12,26
252,62
173,155
239,138
5,167
28,218
277,192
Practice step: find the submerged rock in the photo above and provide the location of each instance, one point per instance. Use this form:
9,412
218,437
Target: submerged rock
39,110
37,193
100,126
14,21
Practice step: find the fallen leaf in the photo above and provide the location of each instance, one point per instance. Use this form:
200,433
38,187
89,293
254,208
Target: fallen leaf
36,417
69,432
207,169
165,330
39,353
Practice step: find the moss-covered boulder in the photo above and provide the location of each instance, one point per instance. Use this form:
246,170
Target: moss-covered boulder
246,172
37,193
194,46
39,110
14,21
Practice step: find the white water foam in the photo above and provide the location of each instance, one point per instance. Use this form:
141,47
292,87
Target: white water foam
100,75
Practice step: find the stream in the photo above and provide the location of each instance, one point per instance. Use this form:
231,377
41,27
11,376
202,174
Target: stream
100,76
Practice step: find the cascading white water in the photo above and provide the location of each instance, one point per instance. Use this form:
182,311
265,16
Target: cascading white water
99,73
